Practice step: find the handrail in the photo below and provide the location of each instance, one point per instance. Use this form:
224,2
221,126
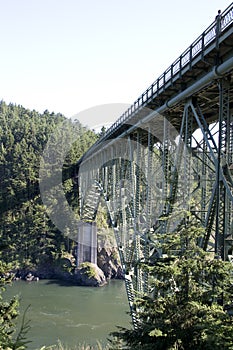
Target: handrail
213,32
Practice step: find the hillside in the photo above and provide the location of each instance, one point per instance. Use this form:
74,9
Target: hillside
28,238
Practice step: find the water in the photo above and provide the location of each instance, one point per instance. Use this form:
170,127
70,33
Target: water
71,314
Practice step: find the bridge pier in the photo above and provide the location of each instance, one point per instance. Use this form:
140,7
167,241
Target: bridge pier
87,243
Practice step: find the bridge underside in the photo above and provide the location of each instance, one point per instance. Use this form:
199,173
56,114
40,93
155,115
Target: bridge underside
172,153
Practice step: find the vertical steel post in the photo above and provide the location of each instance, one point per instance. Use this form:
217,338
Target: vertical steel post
139,286
149,180
166,172
224,204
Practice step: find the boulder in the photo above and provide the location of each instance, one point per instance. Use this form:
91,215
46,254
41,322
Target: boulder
30,277
89,274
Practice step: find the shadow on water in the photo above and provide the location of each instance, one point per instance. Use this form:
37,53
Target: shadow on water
63,283
67,283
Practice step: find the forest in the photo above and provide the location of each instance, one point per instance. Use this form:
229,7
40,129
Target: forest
191,298
27,235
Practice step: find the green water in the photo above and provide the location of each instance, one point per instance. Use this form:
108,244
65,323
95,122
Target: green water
71,314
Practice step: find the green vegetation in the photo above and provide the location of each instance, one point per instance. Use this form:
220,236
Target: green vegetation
60,346
9,339
190,293
27,235
191,290
89,270
28,238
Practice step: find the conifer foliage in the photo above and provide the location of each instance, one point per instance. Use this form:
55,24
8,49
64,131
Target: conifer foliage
191,291
27,235
9,338
28,238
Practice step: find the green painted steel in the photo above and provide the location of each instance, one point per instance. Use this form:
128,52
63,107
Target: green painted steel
170,152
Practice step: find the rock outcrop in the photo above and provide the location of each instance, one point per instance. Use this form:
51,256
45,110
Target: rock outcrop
88,274
30,277
60,269
108,262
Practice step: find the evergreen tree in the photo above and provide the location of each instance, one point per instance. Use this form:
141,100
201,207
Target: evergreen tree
190,293
8,315
29,236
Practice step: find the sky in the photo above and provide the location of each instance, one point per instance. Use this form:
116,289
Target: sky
73,56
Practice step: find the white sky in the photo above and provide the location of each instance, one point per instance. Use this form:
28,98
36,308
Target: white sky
70,55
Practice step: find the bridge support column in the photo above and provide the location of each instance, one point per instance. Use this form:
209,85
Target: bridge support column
216,179
166,164
87,243
223,202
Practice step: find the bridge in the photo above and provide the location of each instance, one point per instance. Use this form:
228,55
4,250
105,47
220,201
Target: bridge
169,153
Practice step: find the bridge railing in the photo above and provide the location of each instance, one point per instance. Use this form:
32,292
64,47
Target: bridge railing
211,34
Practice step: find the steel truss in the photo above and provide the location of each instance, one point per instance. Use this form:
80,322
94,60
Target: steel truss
162,163
142,178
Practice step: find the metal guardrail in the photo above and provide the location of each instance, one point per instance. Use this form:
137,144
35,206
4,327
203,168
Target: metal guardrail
211,34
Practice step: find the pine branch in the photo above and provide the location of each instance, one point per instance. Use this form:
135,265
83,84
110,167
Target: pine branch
21,339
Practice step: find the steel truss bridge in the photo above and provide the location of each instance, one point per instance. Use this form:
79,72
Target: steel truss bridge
170,152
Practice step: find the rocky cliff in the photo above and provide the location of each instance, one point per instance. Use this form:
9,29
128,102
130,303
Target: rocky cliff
108,266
